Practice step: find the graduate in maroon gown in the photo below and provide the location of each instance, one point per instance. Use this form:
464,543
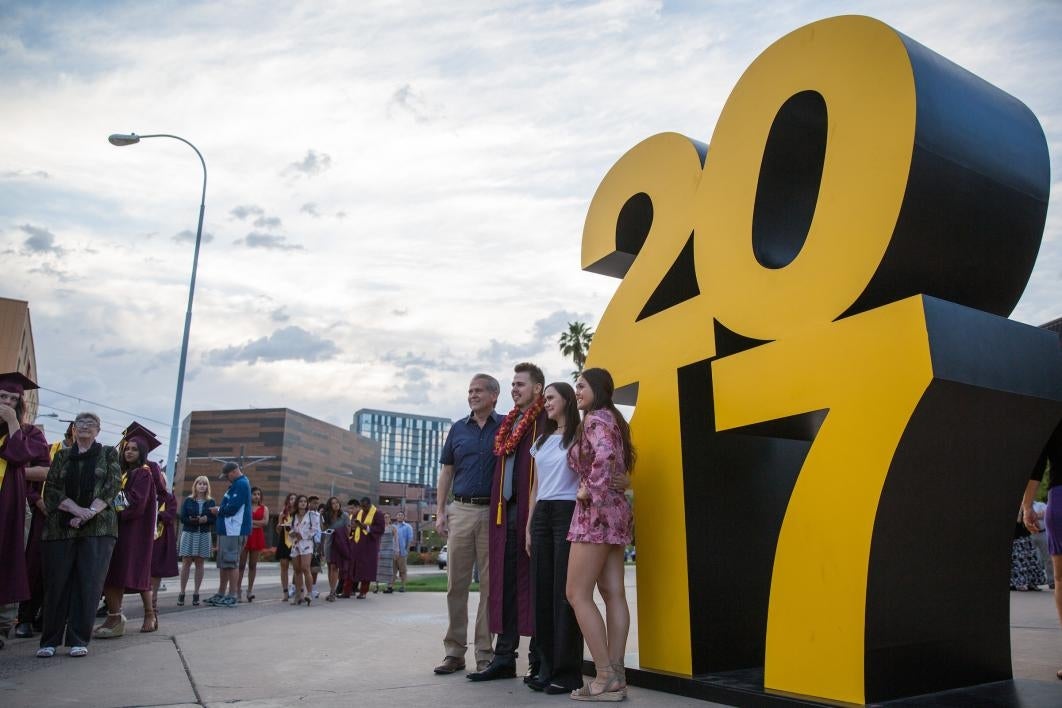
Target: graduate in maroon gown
366,529
510,567
164,550
21,446
29,610
130,568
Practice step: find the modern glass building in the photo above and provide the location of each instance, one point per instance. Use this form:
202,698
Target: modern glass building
410,444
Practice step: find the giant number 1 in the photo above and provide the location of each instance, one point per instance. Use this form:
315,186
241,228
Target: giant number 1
846,202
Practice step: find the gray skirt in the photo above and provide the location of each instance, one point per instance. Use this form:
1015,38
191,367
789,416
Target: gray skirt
194,544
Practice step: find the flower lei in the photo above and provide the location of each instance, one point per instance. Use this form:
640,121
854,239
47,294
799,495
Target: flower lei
504,443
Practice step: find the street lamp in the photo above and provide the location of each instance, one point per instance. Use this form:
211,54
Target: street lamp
122,139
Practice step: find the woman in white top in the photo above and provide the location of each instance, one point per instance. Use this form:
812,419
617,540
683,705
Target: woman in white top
553,489
305,526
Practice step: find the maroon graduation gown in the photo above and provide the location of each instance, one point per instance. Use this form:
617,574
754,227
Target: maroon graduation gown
164,552
131,560
522,472
26,449
365,553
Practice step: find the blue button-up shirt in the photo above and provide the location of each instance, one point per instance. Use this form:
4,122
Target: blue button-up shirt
470,449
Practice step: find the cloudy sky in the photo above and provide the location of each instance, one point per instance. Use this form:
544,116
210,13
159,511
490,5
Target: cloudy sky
396,189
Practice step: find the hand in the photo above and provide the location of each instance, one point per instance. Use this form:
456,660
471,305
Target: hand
214,510
1029,519
41,507
583,495
441,526
83,514
202,519
7,414
620,482
527,539
75,522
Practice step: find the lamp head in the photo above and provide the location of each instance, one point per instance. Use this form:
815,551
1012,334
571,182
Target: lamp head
120,139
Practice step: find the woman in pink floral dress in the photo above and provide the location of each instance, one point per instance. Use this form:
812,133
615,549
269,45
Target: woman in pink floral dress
600,530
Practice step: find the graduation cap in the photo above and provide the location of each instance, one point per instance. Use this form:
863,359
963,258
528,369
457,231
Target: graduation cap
14,382
137,431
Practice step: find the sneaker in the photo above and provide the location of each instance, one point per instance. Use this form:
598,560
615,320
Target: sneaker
46,652
227,601
291,590
215,599
316,594
78,651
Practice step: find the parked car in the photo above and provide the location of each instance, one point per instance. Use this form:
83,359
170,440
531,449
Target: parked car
442,558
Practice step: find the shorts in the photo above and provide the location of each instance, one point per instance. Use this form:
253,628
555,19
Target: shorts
229,548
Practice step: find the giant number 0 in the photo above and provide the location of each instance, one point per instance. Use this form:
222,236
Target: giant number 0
836,268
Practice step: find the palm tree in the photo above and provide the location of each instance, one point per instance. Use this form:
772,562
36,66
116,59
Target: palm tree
576,343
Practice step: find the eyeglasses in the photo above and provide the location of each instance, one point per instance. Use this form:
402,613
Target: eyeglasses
86,424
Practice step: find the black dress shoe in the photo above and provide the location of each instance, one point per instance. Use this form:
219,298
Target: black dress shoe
497,669
536,683
24,630
532,672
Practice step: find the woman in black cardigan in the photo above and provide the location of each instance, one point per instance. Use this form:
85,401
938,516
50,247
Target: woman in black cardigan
197,524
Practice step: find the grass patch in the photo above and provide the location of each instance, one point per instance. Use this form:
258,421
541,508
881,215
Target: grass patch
431,582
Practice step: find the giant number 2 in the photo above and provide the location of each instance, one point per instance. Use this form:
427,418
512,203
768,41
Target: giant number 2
866,217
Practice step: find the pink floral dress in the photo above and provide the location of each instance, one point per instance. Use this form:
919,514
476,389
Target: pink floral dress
597,457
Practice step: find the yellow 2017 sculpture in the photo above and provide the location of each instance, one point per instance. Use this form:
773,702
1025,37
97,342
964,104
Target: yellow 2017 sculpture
835,419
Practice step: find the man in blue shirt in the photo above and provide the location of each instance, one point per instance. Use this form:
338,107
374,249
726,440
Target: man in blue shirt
467,469
233,526
405,538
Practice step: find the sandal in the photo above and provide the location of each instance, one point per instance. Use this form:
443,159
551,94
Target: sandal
195,599
620,671
612,692
180,599
104,632
153,625
250,597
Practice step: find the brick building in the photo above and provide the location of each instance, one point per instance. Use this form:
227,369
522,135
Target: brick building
305,455
16,347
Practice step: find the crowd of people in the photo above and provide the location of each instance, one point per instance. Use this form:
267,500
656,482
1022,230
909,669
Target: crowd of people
102,522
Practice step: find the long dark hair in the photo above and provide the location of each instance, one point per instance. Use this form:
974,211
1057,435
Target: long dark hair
295,509
289,506
602,386
571,416
141,454
328,515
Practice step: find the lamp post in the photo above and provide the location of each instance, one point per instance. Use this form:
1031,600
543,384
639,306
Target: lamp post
122,139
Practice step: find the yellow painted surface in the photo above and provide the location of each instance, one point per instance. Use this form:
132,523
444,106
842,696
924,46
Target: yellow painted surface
861,69
668,169
870,371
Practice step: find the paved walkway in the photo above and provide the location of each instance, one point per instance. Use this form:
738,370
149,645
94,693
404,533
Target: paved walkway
351,653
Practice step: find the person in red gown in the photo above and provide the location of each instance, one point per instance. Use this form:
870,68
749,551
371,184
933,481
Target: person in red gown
130,568
256,543
21,446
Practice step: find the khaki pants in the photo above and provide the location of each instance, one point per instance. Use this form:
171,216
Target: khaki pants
467,545
400,568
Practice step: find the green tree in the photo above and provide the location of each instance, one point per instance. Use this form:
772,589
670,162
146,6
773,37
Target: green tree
575,343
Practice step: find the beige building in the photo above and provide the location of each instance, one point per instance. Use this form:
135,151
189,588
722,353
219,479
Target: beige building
16,347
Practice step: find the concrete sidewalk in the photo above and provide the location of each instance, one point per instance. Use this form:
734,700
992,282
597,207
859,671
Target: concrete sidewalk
374,652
